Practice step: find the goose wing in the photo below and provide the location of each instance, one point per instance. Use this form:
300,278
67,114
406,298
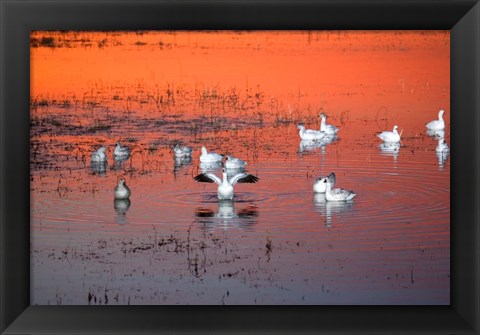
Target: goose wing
208,178
238,161
314,132
340,191
243,178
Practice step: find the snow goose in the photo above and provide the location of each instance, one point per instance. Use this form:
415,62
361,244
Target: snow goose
390,136
121,191
182,151
337,194
100,155
210,157
320,185
327,128
120,152
437,124
225,185
234,163
310,134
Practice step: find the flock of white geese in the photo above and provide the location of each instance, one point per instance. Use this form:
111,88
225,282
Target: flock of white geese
233,171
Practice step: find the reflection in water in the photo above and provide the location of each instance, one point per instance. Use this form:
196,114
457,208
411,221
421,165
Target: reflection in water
119,163
99,168
436,133
121,207
210,167
307,145
390,149
310,145
442,151
226,216
442,157
329,208
180,162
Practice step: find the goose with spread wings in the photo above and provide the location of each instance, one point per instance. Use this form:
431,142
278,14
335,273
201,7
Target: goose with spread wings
225,185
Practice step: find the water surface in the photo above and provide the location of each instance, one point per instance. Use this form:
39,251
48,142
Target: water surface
238,93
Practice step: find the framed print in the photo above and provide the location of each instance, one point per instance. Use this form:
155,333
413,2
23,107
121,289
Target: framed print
246,166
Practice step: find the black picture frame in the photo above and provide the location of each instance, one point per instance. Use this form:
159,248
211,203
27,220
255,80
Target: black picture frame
18,17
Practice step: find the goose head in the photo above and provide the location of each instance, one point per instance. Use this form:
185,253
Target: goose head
300,127
121,180
204,151
328,185
440,114
395,127
332,177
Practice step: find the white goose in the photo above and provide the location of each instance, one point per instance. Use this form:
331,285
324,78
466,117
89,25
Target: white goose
437,124
120,152
320,186
337,194
310,134
100,155
390,136
327,128
225,185
234,163
442,146
121,191
210,157
182,151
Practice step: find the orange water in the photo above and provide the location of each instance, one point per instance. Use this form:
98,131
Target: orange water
239,93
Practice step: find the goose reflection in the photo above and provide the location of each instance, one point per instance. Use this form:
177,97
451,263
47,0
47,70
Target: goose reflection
442,151
181,162
226,216
119,164
121,207
390,149
99,168
312,145
436,133
210,167
330,208
442,158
